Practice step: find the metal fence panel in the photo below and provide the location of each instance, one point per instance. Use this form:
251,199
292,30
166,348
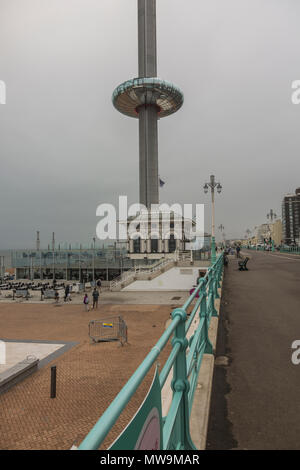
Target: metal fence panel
110,329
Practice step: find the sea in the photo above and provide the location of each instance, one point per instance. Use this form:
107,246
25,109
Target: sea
7,258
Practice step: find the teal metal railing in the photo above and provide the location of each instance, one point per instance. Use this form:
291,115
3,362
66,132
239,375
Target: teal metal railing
291,249
185,359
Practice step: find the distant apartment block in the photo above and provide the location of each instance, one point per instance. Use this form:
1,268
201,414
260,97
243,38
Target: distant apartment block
269,231
291,218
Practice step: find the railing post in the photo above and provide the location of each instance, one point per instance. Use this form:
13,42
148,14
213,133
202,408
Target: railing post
180,438
220,269
215,281
211,294
205,314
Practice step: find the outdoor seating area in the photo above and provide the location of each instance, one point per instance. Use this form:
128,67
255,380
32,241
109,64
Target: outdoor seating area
40,290
23,285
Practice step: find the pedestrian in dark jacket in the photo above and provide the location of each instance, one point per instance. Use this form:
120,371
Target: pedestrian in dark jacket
67,291
95,298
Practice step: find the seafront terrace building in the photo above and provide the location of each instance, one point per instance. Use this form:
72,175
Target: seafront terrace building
156,235
80,264
87,264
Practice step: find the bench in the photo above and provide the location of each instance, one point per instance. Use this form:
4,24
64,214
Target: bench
243,264
49,294
22,293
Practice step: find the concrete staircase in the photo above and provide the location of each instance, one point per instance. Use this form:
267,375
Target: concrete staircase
145,272
141,273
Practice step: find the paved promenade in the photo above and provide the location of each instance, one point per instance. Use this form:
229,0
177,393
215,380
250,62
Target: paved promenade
256,398
89,376
106,298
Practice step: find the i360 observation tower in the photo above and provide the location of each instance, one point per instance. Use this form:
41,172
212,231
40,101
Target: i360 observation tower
147,98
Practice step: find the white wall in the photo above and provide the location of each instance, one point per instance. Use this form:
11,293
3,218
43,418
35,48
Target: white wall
173,279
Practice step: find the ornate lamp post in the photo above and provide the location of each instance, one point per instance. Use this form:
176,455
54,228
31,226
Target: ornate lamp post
222,228
212,185
248,233
94,249
271,215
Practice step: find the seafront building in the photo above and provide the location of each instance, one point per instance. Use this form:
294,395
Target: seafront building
267,232
276,232
291,218
74,264
87,264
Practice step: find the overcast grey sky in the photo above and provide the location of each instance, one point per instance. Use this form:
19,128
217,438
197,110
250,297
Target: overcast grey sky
64,148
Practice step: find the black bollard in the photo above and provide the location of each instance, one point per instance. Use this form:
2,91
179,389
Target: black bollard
53,382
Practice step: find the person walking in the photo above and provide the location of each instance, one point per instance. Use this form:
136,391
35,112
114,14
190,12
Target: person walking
99,284
225,260
42,293
67,291
95,298
86,302
238,249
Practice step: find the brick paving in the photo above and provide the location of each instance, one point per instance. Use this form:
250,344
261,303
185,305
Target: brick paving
89,376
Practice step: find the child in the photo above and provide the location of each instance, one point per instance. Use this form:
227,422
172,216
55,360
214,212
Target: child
86,303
